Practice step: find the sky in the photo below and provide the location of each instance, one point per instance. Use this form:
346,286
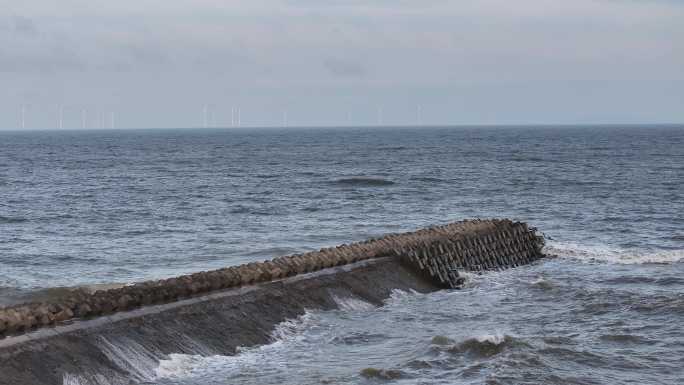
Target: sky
187,63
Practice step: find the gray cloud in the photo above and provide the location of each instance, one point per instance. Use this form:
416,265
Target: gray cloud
344,68
323,55
24,26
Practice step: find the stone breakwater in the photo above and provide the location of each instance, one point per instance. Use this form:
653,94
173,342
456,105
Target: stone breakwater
438,253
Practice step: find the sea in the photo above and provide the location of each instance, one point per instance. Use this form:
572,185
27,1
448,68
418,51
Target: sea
103,207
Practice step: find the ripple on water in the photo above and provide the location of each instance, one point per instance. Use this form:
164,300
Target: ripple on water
363,182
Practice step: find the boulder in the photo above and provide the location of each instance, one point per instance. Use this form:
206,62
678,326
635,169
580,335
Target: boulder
125,302
83,310
14,321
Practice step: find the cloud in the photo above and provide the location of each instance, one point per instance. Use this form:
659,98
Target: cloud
24,26
370,48
344,68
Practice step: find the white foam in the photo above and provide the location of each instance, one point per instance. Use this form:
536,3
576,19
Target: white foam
139,362
352,303
292,329
603,253
496,339
399,297
178,365
97,379
250,361
73,379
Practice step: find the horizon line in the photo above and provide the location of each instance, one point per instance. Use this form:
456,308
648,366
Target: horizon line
367,126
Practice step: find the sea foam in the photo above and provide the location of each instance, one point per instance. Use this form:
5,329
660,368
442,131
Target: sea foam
604,253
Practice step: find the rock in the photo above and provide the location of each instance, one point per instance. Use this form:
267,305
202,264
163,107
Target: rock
3,322
125,302
13,321
83,310
64,315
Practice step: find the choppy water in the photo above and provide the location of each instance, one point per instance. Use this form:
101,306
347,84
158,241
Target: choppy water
82,208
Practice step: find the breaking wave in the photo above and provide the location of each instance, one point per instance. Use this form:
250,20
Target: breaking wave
600,253
486,345
247,360
352,303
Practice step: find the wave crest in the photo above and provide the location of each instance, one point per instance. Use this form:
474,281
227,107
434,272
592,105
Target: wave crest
486,345
382,374
600,253
286,333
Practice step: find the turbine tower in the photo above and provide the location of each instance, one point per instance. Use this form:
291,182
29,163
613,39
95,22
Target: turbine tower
61,117
23,116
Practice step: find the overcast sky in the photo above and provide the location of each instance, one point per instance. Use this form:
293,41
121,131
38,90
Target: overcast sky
157,63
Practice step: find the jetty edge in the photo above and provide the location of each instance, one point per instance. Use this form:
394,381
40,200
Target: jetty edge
119,335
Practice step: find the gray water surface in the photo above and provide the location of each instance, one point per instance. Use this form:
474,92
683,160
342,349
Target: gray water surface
100,207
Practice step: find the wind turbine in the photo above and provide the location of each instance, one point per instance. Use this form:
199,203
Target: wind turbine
206,111
23,116
84,117
61,117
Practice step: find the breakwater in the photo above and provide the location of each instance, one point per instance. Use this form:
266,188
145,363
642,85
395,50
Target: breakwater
238,306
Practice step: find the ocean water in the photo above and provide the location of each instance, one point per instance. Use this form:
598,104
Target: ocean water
104,207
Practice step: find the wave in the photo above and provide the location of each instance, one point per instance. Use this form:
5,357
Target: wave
523,158
601,253
249,360
352,304
358,338
382,374
625,339
255,210
441,340
11,220
393,148
485,345
543,284
637,280
364,182
311,209
429,179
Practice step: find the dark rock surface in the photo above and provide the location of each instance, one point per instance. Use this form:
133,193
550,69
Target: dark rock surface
219,323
